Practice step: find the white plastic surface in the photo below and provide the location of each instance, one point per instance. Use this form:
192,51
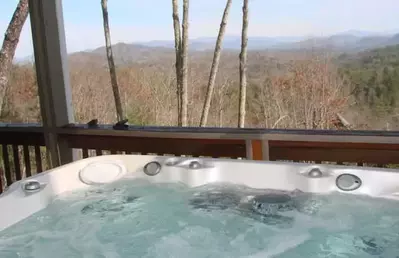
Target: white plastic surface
16,204
102,172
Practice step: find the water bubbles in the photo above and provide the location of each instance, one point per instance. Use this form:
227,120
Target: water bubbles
221,200
308,204
108,205
138,219
370,246
271,204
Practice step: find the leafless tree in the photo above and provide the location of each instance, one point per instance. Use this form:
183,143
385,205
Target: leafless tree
111,64
243,66
221,97
184,63
215,65
181,49
176,28
11,39
307,94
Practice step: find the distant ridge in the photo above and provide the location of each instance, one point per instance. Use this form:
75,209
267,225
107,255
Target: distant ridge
348,41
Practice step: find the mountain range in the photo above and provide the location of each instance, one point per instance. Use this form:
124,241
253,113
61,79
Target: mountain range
349,41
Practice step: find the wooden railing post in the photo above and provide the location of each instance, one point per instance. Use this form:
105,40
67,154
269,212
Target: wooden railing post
249,150
52,75
257,149
265,150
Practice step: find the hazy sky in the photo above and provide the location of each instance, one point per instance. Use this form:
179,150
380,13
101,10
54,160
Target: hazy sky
137,20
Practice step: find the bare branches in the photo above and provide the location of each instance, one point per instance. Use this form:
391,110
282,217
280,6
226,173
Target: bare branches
308,94
215,65
111,64
243,66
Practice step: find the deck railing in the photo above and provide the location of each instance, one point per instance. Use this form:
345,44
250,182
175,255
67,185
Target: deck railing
23,145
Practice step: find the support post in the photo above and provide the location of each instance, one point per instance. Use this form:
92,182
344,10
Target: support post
52,75
257,149
248,149
265,150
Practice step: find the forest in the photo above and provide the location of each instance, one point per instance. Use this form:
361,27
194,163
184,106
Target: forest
374,78
312,88
278,92
362,86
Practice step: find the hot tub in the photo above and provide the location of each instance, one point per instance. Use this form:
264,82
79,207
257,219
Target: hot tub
275,197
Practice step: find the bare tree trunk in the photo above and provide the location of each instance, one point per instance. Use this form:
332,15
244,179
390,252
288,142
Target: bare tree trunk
221,102
176,28
243,66
111,64
215,65
184,63
11,39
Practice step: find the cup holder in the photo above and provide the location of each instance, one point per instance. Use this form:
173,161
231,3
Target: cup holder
348,182
152,168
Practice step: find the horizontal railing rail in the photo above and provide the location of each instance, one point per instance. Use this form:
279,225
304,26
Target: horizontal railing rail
378,147
217,132
23,145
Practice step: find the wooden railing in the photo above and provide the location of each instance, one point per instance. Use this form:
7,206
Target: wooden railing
22,152
23,146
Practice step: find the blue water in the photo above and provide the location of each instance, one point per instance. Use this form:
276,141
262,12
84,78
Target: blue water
133,218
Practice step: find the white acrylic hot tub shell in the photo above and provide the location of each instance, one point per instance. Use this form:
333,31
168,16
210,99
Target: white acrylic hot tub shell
16,204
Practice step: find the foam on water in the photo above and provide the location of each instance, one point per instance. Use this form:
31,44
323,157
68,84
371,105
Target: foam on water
133,218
